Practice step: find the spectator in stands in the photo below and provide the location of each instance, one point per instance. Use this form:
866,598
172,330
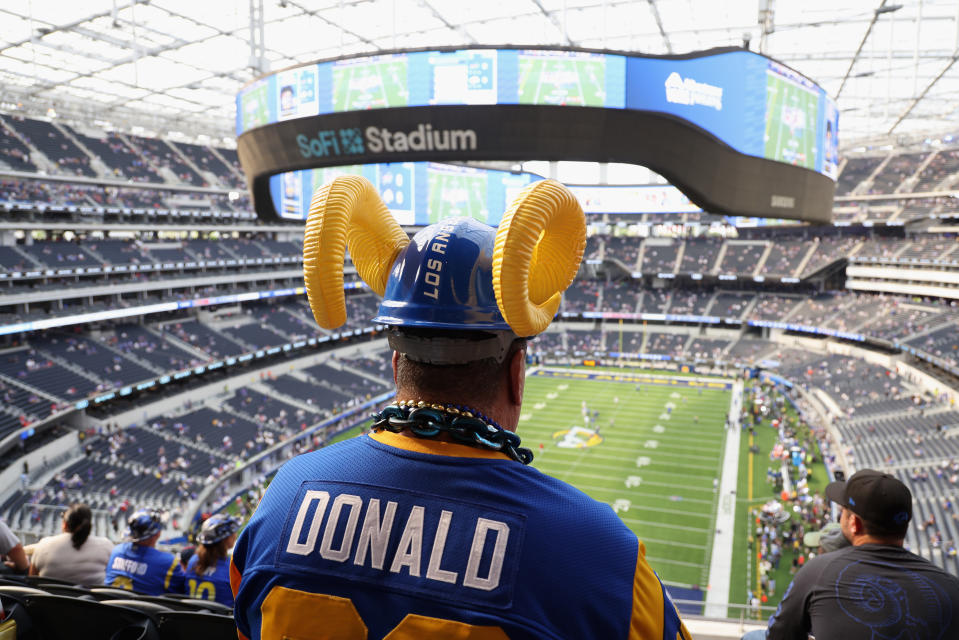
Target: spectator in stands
873,588
137,565
208,571
11,550
73,555
829,538
436,512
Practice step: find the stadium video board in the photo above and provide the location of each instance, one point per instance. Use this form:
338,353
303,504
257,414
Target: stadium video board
728,94
612,107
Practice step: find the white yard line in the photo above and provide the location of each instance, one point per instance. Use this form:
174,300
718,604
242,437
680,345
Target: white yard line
653,561
666,525
598,465
720,565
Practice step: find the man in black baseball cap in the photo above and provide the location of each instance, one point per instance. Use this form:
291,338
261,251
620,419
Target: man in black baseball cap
878,500
873,588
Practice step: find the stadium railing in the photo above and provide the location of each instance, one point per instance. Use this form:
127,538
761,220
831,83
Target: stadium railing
268,458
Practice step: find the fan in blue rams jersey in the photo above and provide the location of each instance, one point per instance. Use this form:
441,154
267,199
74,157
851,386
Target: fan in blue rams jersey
137,564
208,572
433,526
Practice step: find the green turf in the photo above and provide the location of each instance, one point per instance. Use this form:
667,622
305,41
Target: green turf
455,194
634,371
370,85
666,488
254,107
745,562
564,81
656,467
791,126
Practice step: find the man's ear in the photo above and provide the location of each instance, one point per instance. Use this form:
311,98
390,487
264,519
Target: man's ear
856,525
396,359
517,376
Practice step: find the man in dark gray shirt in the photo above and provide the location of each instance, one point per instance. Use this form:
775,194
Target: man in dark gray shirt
873,589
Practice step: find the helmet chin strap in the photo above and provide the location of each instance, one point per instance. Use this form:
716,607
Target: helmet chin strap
446,351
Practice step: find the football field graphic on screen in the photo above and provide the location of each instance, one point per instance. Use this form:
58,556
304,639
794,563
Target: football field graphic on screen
575,81
791,116
254,107
456,193
375,84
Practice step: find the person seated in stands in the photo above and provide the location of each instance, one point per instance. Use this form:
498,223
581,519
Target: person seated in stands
874,588
208,571
11,550
74,555
137,565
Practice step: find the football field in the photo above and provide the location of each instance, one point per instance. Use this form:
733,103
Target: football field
790,122
651,453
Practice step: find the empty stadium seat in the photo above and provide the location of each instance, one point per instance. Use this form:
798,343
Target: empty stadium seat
60,617
186,625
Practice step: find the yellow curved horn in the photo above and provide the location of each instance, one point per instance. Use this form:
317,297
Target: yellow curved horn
347,213
538,248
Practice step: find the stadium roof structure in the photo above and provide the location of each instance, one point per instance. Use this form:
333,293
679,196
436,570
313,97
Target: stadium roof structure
176,65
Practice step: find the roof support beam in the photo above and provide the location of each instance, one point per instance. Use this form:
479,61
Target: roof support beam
446,23
918,99
317,14
63,27
659,23
881,9
556,23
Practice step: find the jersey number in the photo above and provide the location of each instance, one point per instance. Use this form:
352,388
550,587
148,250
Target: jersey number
296,615
202,591
122,582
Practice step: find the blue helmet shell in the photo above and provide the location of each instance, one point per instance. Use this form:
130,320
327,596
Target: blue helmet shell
444,280
217,527
144,524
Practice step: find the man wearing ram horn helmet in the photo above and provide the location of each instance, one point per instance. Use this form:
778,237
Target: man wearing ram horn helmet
433,525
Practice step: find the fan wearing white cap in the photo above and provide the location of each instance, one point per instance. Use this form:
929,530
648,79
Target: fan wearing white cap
873,588
433,526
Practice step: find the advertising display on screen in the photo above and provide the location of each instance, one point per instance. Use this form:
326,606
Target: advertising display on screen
463,77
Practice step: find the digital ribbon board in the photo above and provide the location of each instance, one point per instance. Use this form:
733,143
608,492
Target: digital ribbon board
738,133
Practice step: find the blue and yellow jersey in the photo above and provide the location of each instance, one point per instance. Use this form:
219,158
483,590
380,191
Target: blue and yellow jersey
144,569
390,535
213,584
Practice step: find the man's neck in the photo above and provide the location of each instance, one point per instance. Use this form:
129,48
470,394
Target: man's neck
868,539
498,416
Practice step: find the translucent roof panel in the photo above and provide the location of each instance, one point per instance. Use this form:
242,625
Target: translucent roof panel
892,66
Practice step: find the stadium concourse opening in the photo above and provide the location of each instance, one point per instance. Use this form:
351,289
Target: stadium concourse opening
760,308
